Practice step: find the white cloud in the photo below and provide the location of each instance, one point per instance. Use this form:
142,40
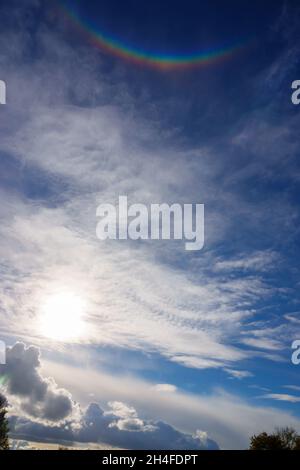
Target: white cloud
165,388
239,374
293,387
121,410
293,318
281,397
259,261
263,343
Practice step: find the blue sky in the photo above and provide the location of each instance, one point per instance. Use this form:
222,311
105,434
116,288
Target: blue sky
198,340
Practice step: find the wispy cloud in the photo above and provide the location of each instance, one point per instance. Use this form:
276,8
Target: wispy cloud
91,154
282,397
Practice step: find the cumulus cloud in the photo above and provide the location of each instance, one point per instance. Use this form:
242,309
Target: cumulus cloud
96,425
152,434
40,409
36,396
126,419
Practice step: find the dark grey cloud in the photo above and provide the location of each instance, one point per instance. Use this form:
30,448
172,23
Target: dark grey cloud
132,432
37,396
98,426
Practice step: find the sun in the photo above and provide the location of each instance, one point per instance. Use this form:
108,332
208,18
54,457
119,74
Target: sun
62,317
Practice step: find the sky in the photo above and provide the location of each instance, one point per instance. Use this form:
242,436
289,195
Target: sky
142,344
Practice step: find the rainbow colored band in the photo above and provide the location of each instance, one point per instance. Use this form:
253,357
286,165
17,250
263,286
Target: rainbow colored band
138,56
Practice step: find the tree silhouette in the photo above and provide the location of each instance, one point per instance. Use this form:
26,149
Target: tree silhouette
4,444
282,439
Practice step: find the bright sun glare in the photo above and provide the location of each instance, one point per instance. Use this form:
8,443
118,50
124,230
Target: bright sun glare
61,317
